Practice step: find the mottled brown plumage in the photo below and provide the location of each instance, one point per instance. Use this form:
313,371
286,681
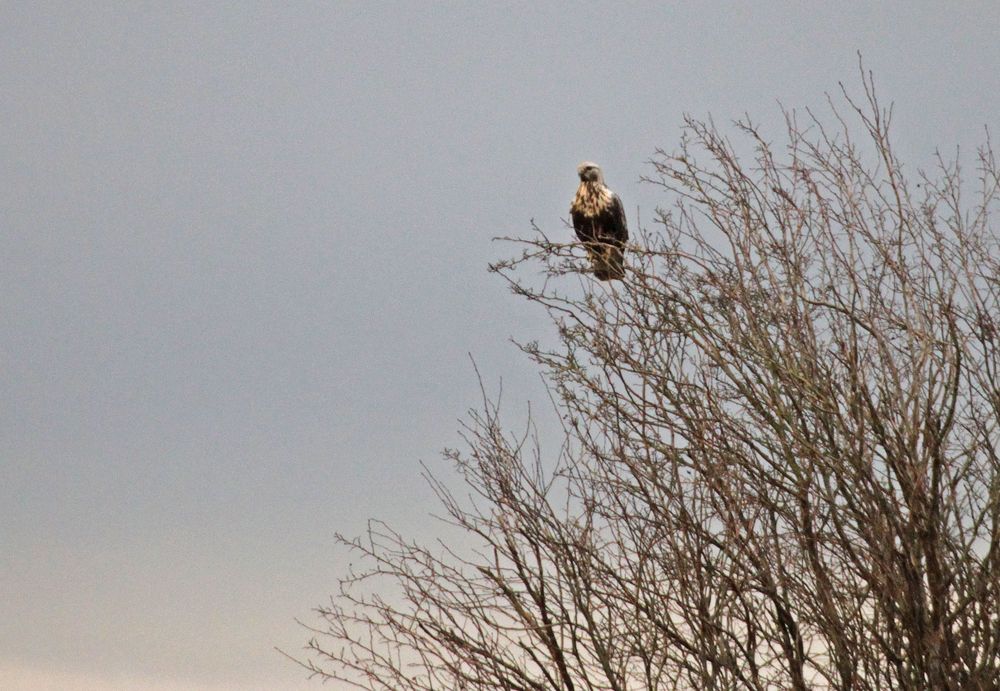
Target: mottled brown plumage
599,221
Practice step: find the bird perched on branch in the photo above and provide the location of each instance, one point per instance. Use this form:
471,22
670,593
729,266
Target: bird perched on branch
599,222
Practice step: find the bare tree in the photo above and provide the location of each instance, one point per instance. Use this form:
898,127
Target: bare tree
780,466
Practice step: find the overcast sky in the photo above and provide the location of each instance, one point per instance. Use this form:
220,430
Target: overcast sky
244,253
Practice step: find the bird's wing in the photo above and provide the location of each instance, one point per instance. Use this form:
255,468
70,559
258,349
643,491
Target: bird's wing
584,227
618,222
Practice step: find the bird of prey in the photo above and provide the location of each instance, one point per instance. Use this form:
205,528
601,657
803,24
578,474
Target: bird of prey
599,222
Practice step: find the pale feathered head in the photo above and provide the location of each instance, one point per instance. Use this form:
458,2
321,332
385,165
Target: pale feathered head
590,172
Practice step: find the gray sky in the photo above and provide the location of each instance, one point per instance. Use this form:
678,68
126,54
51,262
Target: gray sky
244,250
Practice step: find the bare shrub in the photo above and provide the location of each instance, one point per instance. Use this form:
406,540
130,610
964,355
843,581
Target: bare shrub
780,463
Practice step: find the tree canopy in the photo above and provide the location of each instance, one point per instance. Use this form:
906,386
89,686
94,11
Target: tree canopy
780,456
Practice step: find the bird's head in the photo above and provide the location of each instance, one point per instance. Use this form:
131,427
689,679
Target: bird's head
590,172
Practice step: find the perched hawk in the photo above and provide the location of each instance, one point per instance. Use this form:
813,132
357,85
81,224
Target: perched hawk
599,222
